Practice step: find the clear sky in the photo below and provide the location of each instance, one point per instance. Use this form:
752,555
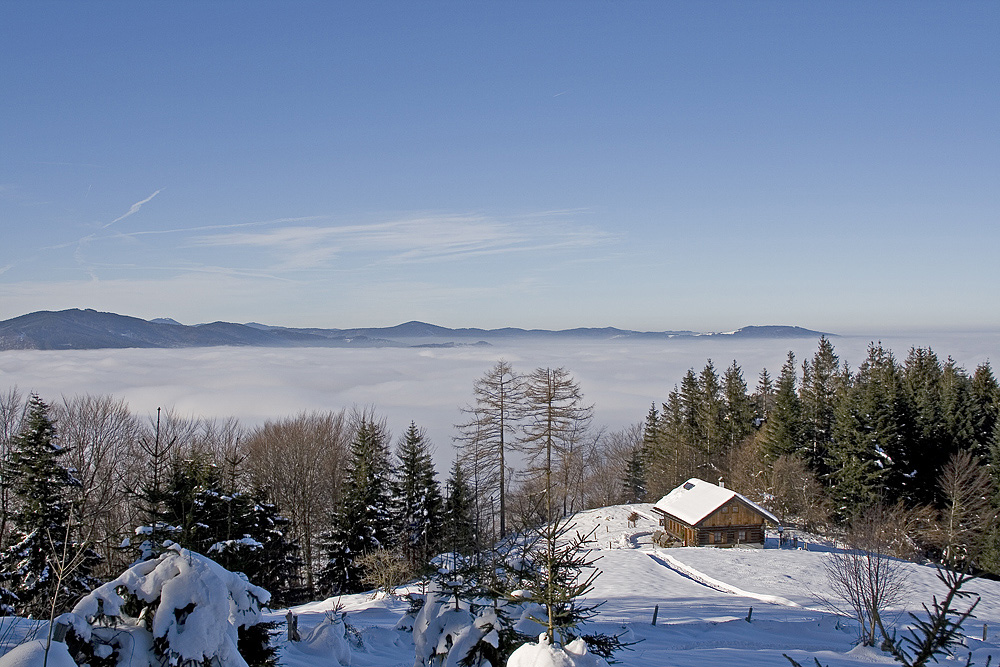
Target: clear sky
647,165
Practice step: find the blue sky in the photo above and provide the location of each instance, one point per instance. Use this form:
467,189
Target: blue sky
648,165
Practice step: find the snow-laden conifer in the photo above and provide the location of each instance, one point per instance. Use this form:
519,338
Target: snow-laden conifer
363,521
34,567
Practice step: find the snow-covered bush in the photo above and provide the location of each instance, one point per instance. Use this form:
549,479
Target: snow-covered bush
180,609
448,633
327,640
544,654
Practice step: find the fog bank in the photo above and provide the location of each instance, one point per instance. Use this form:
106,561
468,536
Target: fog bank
424,385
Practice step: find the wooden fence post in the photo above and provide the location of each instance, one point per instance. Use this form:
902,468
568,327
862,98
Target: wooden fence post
656,611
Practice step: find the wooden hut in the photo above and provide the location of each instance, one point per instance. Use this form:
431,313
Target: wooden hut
698,513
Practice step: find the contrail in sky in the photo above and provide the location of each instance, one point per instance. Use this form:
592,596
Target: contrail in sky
133,209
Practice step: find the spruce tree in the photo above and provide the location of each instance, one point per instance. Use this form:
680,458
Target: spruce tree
957,403
818,394
710,411
651,435
458,534
634,482
739,413
764,396
929,440
782,433
688,400
418,503
238,529
43,567
869,459
363,522
985,395
667,465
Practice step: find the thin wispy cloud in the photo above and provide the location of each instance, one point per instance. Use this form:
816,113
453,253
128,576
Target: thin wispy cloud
133,209
234,225
422,239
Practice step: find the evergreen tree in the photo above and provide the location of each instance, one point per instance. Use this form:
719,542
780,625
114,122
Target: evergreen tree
35,567
985,395
651,435
782,433
739,412
458,531
869,459
634,482
710,412
764,396
990,558
668,465
158,447
929,440
239,530
818,397
687,427
418,504
363,522
956,399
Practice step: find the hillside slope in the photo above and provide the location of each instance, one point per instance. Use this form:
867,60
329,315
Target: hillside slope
703,595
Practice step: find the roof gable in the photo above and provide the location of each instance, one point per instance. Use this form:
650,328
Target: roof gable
695,500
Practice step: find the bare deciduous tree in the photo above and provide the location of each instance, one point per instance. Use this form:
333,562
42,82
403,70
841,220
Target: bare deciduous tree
555,418
100,434
385,570
607,469
489,432
301,461
865,579
968,513
786,485
12,408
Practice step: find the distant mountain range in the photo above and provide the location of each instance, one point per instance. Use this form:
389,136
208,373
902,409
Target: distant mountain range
89,330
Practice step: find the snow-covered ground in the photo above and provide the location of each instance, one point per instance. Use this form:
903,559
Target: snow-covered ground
703,596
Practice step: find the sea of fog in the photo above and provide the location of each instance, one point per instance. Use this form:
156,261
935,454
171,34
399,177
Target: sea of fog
424,385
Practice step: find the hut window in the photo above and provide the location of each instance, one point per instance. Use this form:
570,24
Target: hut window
718,537
725,509
743,536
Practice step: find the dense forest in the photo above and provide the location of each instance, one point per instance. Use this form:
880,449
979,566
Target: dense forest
820,443
331,502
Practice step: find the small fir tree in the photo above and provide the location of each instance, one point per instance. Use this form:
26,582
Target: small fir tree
458,535
634,482
238,529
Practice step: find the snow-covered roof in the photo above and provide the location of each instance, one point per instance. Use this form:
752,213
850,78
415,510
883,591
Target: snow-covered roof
696,499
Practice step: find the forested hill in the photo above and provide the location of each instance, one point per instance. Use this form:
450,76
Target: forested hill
77,329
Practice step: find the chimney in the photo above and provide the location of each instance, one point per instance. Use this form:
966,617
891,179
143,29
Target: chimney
722,483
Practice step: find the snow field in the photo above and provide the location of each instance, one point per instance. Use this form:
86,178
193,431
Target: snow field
703,597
